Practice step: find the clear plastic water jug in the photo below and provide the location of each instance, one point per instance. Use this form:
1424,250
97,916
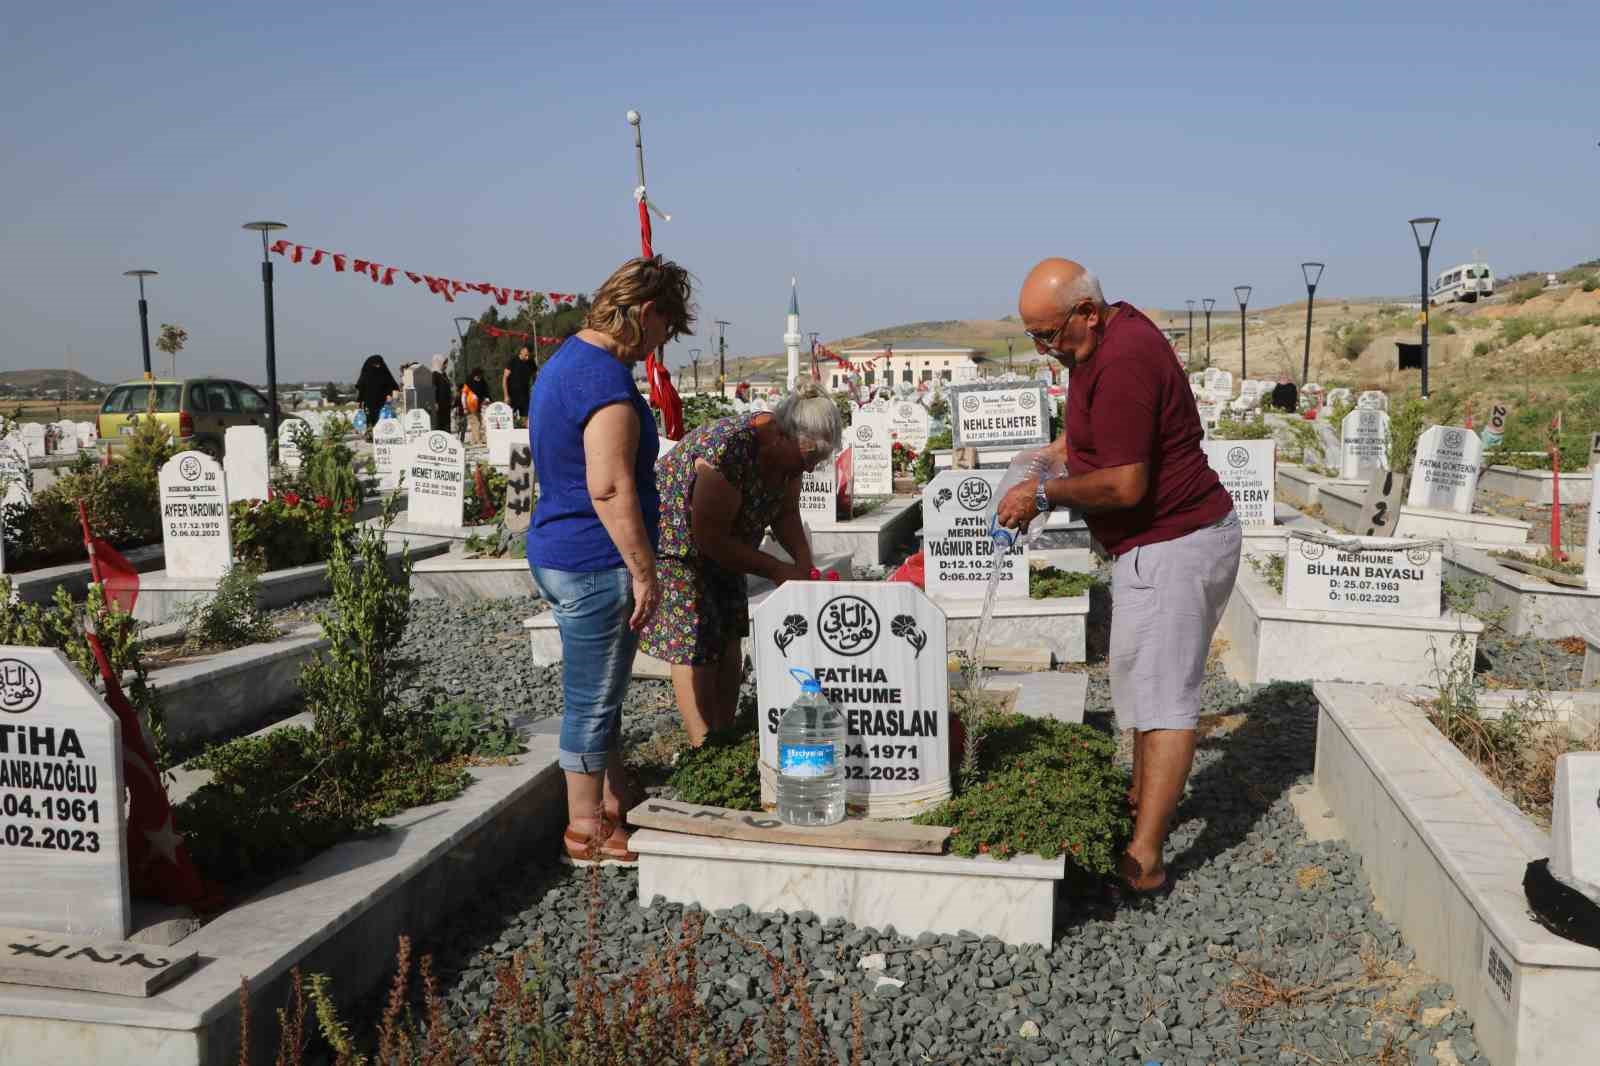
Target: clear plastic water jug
811,742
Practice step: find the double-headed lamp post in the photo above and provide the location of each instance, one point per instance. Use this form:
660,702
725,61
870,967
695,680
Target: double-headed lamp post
265,228
144,314
1242,294
1208,303
1312,272
1190,335
1423,230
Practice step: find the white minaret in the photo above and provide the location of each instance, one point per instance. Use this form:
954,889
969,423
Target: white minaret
792,335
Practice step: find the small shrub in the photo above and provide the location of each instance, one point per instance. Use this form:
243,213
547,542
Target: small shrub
1350,340
1526,291
1305,443
122,503
1048,582
1270,568
230,617
924,469
1406,424
1045,787
703,408
1482,348
1591,283
288,530
724,771
476,505
1250,427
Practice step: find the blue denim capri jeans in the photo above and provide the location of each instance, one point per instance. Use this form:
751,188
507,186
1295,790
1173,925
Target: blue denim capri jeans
591,611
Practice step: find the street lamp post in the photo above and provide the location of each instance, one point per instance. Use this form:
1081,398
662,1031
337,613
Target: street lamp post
1208,303
1312,272
1242,294
694,358
1423,230
1010,367
461,336
1190,335
265,228
144,314
722,356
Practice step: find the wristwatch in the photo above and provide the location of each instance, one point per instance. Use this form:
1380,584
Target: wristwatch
1041,499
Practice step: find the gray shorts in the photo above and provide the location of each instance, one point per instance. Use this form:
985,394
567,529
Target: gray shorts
1166,601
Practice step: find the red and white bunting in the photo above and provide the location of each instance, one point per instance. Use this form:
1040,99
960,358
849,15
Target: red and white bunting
449,288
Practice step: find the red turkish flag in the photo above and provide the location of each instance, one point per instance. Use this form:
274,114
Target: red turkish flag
279,247
316,257
415,278
360,266
338,262
388,275
107,566
299,250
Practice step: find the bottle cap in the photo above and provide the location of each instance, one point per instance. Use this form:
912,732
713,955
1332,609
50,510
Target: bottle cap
808,684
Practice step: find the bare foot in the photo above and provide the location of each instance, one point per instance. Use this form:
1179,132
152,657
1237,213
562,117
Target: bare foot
1141,877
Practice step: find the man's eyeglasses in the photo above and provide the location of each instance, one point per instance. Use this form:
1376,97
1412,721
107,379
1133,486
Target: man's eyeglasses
1046,338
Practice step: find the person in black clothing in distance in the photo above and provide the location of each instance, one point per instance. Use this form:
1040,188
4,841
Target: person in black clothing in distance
516,380
444,395
1285,397
374,386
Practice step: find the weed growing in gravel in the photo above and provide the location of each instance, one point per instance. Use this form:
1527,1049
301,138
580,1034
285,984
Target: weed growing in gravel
231,617
652,1014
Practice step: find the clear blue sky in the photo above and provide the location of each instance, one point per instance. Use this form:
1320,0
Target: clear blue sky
907,161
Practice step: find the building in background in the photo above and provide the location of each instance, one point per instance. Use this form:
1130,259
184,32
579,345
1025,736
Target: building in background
911,362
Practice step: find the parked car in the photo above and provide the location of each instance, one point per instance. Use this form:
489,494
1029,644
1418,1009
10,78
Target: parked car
198,411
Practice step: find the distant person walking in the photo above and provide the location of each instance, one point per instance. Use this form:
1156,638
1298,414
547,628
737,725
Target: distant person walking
516,380
1137,472
444,395
474,398
592,542
374,386
722,488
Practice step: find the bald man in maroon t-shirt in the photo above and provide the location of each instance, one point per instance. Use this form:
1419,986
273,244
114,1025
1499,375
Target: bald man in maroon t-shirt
1137,472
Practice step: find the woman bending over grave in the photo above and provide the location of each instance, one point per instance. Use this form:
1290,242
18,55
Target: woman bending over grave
592,540
722,487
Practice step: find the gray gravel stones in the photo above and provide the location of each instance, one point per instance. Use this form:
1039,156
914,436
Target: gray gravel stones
1268,950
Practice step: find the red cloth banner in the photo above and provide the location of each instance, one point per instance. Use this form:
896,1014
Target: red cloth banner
449,288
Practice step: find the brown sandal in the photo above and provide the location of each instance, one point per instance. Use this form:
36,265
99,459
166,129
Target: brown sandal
578,850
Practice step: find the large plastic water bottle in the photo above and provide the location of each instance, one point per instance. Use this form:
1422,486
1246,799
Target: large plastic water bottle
1033,468
811,737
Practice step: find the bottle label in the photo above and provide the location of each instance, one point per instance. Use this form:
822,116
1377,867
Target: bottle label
805,760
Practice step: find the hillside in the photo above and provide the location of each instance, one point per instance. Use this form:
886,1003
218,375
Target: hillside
62,380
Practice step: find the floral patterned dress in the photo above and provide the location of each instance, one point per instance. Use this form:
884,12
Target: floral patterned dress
703,604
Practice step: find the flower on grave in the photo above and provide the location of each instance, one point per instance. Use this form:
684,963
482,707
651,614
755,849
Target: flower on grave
291,499
323,503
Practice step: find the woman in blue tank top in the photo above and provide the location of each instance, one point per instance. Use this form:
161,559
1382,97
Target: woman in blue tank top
592,540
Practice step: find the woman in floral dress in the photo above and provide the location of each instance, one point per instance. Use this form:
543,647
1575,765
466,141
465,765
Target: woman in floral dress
722,488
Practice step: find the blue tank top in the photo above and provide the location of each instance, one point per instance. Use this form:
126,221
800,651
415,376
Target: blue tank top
565,533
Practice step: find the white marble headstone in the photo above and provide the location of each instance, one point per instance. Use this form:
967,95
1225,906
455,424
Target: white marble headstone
1248,470
436,480
88,434
999,416
1334,397
63,842
957,550
868,439
417,423
244,461
908,423
1373,401
819,494
1575,823
33,439
499,425
1397,582
1445,474
878,650
289,433
388,451
194,516
1365,444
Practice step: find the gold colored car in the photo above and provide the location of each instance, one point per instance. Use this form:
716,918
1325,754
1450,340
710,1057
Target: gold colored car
197,411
